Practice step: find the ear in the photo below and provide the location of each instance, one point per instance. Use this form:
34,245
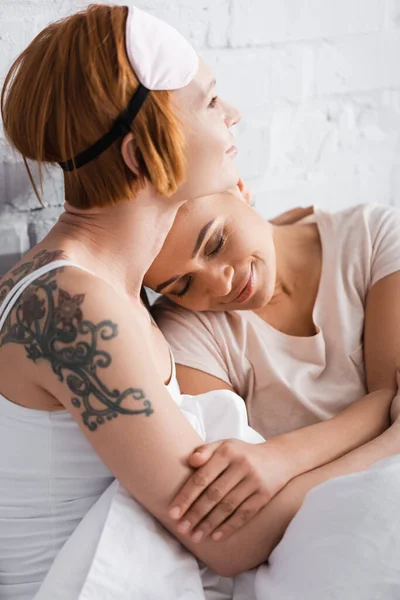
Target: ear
128,151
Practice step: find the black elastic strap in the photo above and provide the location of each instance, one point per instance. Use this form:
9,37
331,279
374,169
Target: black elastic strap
121,127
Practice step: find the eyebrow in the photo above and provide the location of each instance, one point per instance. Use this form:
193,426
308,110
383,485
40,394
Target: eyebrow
201,237
197,246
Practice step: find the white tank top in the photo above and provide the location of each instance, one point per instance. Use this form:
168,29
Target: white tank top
49,478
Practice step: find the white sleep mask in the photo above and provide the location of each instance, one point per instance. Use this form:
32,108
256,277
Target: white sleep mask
161,59
160,56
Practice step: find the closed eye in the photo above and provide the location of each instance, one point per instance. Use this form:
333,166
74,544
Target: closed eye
220,244
213,102
185,289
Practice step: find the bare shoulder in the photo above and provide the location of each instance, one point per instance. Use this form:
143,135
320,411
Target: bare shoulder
53,301
64,333
31,262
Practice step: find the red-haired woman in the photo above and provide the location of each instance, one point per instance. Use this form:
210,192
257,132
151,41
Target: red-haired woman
128,110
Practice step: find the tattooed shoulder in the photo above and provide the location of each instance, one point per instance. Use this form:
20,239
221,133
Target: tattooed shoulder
50,324
44,257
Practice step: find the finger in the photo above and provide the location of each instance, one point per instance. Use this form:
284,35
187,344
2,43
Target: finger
245,512
298,213
293,215
244,191
197,483
307,211
202,454
212,496
224,509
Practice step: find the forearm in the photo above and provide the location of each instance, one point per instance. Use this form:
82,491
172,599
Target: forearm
319,444
257,539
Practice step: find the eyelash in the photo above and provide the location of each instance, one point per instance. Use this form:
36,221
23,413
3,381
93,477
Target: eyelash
220,245
217,249
185,289
213,102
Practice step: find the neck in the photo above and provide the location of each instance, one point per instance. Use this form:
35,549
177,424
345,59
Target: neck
118,242
297,249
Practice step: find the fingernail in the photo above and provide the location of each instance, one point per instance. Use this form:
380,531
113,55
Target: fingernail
217,536
175,512
198,536
184,527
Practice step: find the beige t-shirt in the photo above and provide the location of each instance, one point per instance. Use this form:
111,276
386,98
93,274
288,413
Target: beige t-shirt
288,382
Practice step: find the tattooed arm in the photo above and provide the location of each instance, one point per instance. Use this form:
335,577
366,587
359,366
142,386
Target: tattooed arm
91,350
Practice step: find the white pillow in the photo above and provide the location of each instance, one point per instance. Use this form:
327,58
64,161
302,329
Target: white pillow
343,544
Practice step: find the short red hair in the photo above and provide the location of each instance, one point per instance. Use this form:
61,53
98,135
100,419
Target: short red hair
65,91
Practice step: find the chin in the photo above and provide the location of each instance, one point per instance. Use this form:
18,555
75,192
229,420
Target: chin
255,303
228,180
260,299
232,178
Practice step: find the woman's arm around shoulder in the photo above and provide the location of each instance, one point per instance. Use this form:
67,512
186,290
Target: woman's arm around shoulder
92,351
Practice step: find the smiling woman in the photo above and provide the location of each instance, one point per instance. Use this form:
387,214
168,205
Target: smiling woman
291,319
225,267
138,130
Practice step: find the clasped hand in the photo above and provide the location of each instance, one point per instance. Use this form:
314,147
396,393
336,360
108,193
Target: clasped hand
232,482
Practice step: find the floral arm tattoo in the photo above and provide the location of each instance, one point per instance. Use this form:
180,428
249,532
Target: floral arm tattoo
44,257
50,324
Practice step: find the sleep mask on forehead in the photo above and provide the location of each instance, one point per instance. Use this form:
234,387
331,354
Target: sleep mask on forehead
161,59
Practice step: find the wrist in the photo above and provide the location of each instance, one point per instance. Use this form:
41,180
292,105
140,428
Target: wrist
299,450
282,449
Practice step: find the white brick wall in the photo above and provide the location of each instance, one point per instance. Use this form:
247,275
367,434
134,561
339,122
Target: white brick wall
317,81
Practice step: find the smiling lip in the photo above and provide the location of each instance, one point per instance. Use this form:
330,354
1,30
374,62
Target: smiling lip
232,151
247,289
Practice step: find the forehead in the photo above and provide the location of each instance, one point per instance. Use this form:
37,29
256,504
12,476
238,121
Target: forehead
200,84
192,215
181,239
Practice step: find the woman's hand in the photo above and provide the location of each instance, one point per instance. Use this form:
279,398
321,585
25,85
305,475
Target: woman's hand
293,216
232,482
244,191
287,218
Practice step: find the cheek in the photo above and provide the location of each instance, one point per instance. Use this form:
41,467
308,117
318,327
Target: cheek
210,129
240,250
209,169
268,269
208,148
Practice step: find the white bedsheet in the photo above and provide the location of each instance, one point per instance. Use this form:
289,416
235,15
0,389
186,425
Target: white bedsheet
343,544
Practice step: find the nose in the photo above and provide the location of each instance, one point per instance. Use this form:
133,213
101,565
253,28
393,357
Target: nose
232,115
219,280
